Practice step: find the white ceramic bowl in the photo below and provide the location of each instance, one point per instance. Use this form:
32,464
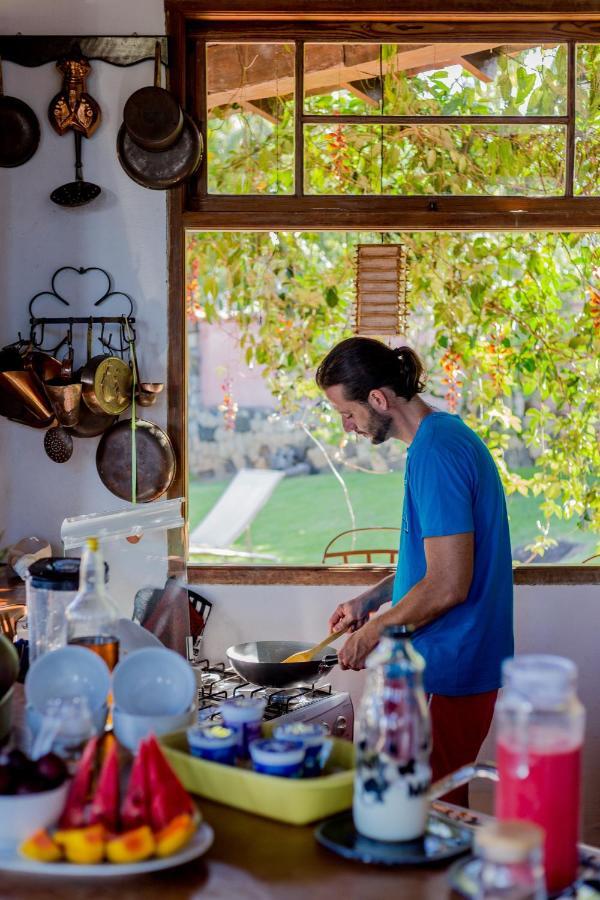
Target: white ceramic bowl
22,814
129,729
154,682
67,673
68,735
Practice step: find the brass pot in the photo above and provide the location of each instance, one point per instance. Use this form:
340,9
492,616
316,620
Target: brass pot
107,384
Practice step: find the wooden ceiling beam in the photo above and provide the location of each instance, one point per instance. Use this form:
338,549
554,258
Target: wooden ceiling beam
424,56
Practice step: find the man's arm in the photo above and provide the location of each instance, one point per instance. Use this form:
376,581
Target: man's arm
446,584
355,612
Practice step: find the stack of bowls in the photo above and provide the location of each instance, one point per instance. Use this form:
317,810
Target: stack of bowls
71,686
154,691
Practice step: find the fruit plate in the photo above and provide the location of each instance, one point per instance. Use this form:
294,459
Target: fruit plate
11,861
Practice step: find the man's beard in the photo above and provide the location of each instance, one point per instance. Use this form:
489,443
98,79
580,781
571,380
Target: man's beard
379,425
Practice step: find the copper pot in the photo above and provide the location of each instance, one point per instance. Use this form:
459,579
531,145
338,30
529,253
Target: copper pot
27,388
66,401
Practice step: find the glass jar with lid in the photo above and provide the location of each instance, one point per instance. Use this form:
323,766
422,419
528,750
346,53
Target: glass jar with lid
510,855
539,747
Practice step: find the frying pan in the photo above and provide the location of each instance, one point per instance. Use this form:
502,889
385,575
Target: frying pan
19,130
167,168
155,460
259,662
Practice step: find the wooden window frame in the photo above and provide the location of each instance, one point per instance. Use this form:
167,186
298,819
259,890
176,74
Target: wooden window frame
192,208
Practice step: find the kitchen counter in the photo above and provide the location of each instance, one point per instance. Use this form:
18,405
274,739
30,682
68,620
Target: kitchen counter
251,859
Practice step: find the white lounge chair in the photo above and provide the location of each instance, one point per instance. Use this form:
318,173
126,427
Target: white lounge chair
233,513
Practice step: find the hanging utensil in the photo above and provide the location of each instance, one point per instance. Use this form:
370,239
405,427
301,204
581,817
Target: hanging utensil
91,424
58,444
19,130
28,390
166,169
78,192
107,382
155,460
73,109
146,392
66,401
152,116
307,655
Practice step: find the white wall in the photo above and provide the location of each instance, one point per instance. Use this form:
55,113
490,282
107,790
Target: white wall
560,620
123,231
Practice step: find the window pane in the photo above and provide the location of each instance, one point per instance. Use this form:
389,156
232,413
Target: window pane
250,97
435,79
503,323
435,159
587,145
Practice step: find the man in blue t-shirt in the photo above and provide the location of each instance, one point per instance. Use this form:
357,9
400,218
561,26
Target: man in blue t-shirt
453,582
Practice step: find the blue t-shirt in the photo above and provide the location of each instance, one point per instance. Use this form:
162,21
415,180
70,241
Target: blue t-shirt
451,486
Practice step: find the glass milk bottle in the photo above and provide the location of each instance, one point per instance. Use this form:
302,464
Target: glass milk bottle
540,735
92,615
393,743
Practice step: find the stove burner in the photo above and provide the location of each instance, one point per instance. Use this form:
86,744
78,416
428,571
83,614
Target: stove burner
218,682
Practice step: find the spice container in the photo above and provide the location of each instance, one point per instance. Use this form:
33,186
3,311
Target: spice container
274,757
314,738
213,742
244,716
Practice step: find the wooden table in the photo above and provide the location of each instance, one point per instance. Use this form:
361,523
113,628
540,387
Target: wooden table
251,859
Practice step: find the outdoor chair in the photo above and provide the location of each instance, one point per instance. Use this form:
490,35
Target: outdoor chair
362,555
233,514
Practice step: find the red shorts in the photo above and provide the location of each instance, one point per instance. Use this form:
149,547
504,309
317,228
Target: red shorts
459,726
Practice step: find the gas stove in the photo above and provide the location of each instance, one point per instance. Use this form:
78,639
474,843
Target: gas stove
306,703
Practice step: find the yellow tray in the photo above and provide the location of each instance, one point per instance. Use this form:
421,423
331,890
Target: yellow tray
296,801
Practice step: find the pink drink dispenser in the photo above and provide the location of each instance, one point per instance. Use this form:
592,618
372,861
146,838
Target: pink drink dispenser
540,735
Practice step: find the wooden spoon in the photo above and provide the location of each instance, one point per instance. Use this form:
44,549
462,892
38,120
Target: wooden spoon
307,655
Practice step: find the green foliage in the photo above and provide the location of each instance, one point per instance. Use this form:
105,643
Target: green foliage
511,318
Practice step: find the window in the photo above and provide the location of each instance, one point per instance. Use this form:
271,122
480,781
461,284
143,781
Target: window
499,136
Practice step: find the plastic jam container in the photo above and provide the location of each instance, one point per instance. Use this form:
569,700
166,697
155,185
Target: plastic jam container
274,757
244,716
213,742
314,737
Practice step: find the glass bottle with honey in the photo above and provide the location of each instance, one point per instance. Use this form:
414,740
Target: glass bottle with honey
92,614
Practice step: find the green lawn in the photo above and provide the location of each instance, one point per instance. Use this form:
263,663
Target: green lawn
305,512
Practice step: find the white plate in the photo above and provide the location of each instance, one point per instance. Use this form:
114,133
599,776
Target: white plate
11,861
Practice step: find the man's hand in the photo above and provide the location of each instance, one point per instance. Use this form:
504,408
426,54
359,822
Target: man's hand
359,645
353,613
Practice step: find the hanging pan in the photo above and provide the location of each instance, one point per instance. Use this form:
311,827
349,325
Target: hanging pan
152,116
107,382
166,169
155,460
19,130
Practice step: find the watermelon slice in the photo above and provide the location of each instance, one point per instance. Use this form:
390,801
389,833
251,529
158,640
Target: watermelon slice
74,813
168,797
135,810
105,803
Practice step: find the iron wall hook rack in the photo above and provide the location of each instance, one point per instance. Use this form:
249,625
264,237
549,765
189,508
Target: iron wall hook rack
39,323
